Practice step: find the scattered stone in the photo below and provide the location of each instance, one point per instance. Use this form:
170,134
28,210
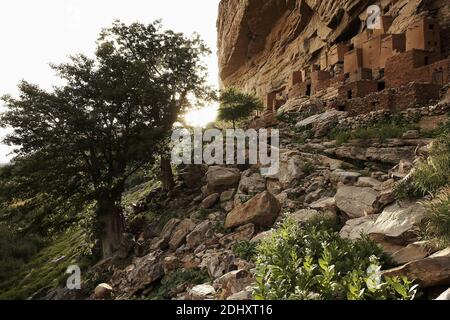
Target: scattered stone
170,264
411,134
261,236
367,182
202,292
210,201
413,251
324,204
168,228
344,177
233,282
227,195
252,183
262,210
103,291
180,233
200,233
244,295
241,234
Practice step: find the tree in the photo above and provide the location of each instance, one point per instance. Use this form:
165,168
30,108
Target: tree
110,118
236,105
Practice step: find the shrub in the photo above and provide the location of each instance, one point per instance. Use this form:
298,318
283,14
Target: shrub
314,262
245,250
438,224
429,175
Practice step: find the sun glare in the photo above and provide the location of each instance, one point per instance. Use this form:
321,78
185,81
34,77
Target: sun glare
201,117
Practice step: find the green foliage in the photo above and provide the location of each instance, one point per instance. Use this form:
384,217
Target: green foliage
111,116
174,280
245,250
236,105
314,262
202,214
308,168
47,268
438,224
429,175
393,127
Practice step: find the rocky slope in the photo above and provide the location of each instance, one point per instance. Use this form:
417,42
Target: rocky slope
261,42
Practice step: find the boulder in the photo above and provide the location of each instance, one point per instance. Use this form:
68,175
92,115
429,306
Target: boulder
261,236
218,263
180,233
244,295
233,282
144,271
444,295
305,215
227,195
210,201
261,210
241,234
221,178
252,183
357,202
428,272
324,204
290,168
103,291
200,233
368,182
399,220
413,251
170,264
202,292
168,228
354,228
345,177
319,118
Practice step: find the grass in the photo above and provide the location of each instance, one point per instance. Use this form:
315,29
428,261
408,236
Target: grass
42,272
245,250
382,130
438,224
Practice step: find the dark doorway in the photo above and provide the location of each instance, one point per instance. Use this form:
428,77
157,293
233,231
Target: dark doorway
427,61
341,108
349,94
381,85
308,90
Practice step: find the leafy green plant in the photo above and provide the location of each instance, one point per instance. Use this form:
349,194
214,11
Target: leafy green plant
314,262
245,250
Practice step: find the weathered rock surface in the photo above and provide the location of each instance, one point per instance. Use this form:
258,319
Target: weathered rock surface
221,178
357,202
428,272
180,233
103,291
261,210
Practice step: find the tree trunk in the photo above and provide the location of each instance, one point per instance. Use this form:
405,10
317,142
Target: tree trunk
166,174
112,226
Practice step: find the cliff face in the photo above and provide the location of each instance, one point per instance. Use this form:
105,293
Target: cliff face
261,42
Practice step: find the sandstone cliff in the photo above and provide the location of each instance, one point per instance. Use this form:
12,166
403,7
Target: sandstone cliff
261,42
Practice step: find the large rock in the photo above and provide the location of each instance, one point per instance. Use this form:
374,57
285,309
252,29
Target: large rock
200,233
428,272
103,291
233,282
243,233
168,228
291,166
252,183
261,210
319,118
399,220
210,201
414,251
444,295
355,228
144,271
221,178
357,202
180,233
202,292
306,215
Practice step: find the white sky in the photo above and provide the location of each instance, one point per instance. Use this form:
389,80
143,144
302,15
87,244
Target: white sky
34,33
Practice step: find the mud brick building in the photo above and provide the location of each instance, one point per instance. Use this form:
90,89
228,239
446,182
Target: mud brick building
375,70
